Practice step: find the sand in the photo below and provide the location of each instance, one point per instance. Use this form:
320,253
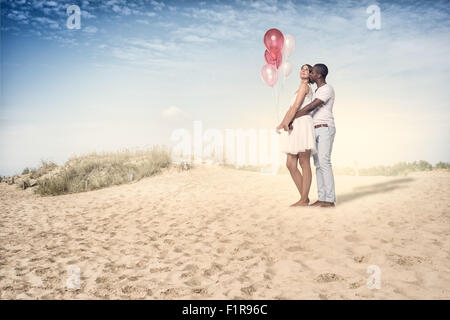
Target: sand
220,233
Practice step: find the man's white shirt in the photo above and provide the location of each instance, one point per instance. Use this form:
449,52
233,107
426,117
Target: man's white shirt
324,113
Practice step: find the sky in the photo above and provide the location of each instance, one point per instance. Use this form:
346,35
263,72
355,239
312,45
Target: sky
136,71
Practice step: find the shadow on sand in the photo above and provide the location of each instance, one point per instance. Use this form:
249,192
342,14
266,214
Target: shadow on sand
383,187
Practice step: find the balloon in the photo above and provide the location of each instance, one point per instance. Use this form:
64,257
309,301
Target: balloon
269,74
286,68
274,41
289,45
270,60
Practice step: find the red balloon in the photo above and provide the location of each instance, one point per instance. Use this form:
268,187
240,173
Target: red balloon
274,41
276,62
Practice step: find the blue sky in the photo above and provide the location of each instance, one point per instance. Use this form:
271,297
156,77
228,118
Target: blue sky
137,70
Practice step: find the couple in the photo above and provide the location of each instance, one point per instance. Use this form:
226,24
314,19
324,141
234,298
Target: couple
311,132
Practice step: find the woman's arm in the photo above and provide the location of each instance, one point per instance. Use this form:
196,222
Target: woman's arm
302,91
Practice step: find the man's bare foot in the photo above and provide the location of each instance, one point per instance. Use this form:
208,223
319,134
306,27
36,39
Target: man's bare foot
316,204
300,203
327,204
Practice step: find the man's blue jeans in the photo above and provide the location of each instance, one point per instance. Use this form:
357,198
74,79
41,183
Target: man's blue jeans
322,161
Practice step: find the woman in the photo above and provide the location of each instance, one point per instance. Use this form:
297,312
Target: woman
301,143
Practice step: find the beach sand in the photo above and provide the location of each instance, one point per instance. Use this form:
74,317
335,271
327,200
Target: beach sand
219,233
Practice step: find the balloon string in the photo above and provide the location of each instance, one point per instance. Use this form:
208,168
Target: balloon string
276,101
279,87
275,98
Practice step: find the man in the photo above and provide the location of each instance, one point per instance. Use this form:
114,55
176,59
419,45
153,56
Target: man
322,112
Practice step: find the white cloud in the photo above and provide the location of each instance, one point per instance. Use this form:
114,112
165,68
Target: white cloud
62,40
154,44
48,22
17,15
142,21
195,38
90,29
157,5
173,112
38,4
86,14
122,10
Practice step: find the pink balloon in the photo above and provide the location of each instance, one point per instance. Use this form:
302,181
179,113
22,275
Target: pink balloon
274,41
276,62
269,74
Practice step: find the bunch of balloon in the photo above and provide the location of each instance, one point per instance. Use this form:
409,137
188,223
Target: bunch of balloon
277,45
274,42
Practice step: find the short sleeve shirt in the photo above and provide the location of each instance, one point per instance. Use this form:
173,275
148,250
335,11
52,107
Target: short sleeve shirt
324,113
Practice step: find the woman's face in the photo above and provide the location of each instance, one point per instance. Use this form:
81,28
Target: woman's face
304,73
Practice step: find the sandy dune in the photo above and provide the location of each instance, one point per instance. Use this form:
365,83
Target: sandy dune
220,233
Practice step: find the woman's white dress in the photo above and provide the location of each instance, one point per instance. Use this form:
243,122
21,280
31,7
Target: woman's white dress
302,137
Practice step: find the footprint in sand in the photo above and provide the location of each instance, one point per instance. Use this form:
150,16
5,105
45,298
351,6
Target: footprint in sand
143,263
248,290
174,292
194,282
213,269
100,280
406,260
356,285
323,296
177,249
352,238
360,259
295,249
201,291
220,250
328,277
169,241
245,245
191,267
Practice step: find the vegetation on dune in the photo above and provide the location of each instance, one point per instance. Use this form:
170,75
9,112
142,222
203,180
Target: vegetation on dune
401,168
100,170
442,165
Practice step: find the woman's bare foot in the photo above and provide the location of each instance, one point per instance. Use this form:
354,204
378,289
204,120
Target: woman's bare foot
300,203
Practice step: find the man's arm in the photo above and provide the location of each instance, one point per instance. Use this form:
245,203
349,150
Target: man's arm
307,109
298,102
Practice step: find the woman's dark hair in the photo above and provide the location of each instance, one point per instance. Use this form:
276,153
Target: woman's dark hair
310,70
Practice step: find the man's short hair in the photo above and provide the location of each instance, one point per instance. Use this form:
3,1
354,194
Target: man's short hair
322,69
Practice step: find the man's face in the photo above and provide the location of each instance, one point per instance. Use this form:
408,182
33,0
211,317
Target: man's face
314,74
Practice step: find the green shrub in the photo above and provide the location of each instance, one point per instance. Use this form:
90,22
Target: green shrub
442,165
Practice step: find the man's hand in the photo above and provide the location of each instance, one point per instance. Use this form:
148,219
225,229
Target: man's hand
290,126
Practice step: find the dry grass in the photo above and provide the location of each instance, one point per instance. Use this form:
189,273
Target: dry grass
100,170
